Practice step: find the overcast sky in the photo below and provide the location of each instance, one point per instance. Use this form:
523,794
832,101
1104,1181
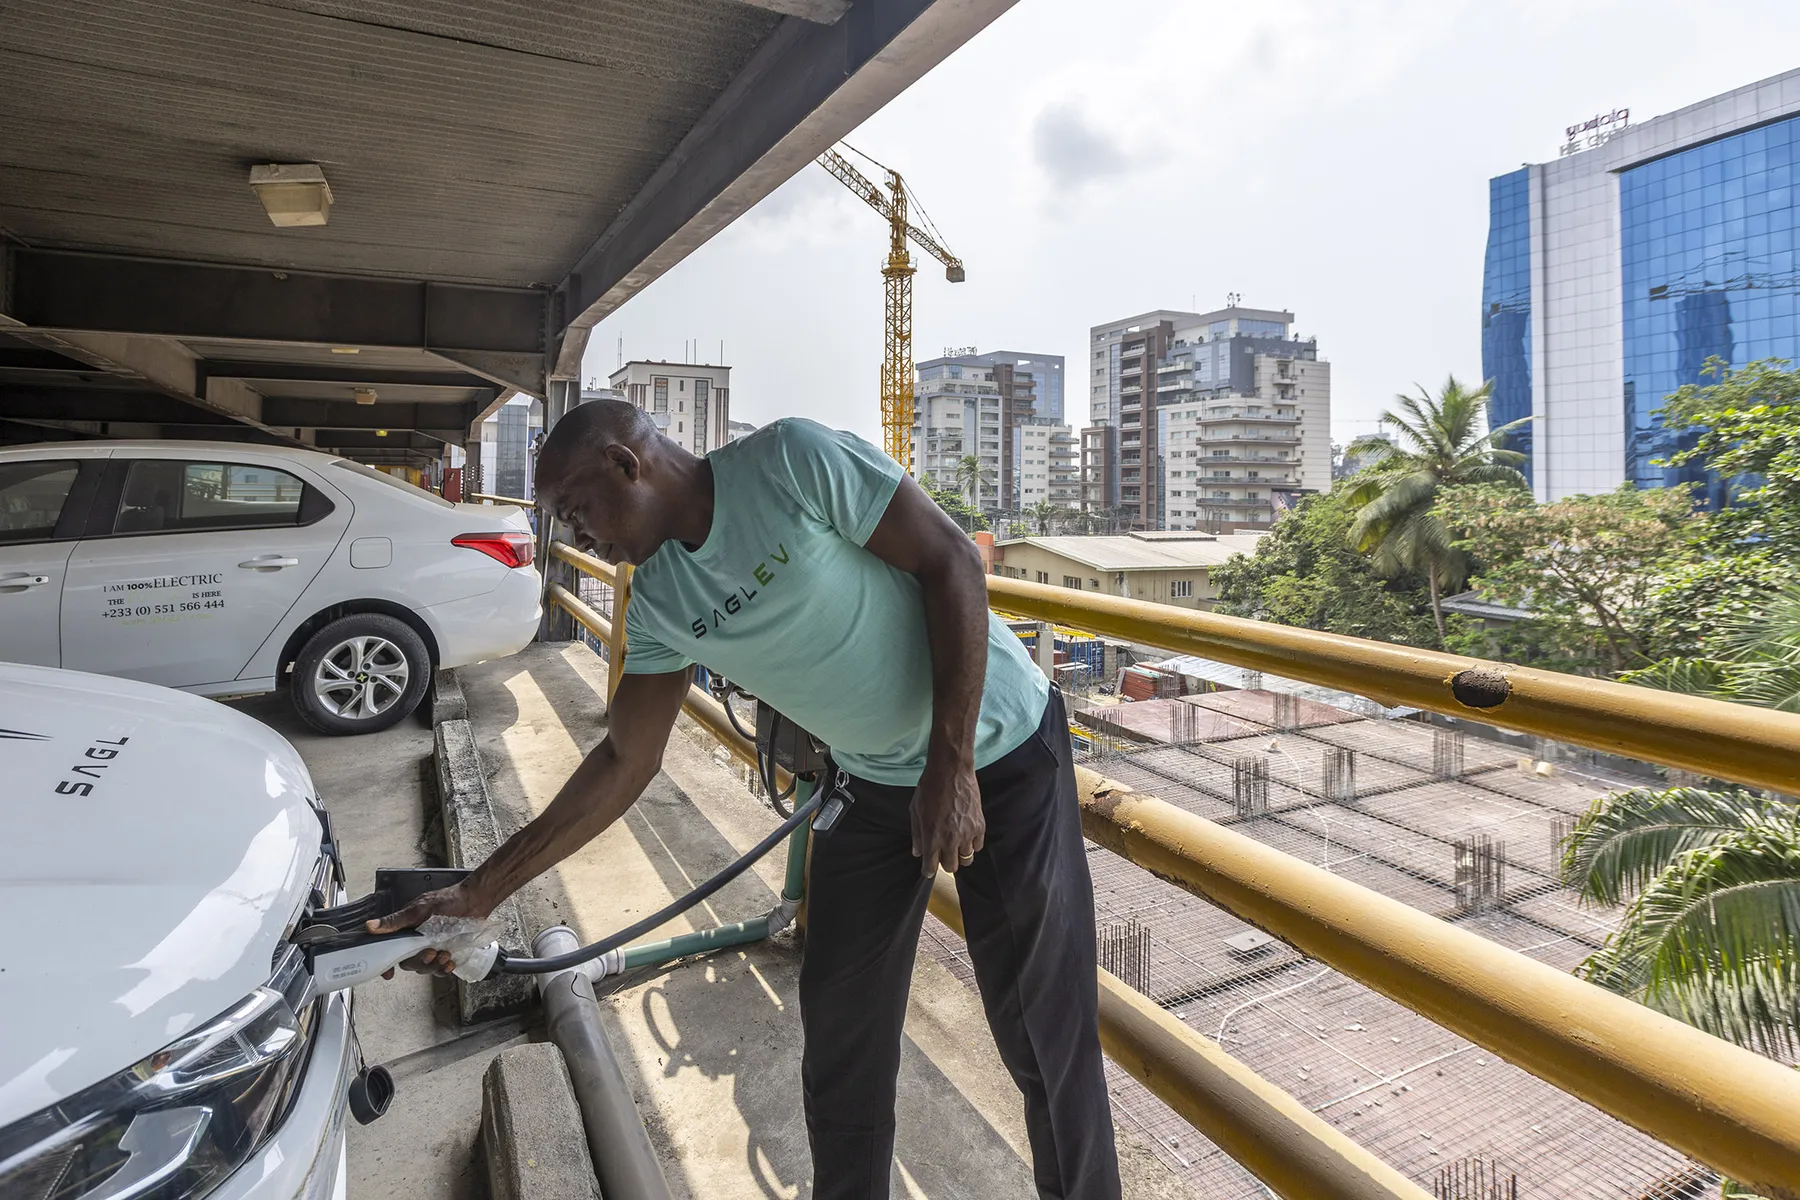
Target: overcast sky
1093,160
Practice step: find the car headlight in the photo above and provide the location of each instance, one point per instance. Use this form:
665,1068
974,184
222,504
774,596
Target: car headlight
176,1124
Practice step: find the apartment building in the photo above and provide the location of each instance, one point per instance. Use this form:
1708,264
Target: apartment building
690,403
1221,418
992,406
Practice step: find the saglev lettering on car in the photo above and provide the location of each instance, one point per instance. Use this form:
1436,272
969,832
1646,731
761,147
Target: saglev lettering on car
95,759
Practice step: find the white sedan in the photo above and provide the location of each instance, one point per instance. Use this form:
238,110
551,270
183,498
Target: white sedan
227,569
160,1035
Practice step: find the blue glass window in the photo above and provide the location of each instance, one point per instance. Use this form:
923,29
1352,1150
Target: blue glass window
1708,269
1506,306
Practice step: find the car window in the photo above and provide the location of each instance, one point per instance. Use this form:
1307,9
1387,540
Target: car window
31,498
368,472
165,495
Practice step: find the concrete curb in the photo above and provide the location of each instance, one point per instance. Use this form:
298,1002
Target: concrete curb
531,1128
447,701
470,835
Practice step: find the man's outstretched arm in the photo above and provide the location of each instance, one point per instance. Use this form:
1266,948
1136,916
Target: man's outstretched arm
608,781
915,536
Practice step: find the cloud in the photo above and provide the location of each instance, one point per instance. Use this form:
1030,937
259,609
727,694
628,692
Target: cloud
1071,151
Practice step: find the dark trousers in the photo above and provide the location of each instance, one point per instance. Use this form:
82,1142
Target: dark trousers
1028,909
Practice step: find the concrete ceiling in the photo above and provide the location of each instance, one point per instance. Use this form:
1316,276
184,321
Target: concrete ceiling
504,174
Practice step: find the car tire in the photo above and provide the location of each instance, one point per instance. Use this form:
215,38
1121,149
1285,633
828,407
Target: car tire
360,674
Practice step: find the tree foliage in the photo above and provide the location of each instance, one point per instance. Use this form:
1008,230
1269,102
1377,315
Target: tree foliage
1711,930
1438,442
1305,572
1585,567
959,510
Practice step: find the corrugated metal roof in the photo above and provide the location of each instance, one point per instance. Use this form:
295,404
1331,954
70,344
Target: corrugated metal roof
1131,552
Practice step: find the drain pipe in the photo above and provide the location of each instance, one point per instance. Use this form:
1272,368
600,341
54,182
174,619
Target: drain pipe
623,1158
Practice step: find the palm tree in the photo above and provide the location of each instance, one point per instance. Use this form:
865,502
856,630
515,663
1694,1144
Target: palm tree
970,477
1438,443
1758,660
1041,514
1711,933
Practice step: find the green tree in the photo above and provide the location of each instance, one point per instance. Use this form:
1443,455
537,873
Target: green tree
970,476
1747,426
1437,442
1043,514
1585,567
1305,572
1711,930
958,509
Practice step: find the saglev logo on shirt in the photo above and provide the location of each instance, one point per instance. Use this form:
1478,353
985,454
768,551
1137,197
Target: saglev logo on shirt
735,602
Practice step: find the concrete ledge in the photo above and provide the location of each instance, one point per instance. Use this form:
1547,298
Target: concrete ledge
531,1134
447,702
470,835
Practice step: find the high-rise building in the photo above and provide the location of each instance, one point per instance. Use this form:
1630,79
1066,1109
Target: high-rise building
689,402
508,453
1220,417
992,406
1616,272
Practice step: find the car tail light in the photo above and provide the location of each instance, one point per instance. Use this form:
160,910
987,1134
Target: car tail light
513,548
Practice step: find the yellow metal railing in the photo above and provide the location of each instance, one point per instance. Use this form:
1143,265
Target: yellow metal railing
1756,746
1724,1106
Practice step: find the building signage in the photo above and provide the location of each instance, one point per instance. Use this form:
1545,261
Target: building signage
1595,132
959,351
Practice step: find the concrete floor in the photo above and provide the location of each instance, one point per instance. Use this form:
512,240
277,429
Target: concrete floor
382,811
712,1047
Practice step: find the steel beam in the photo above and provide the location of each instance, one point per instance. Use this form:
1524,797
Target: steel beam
1755,746
105,404
448,420
354,374
804,88
497,333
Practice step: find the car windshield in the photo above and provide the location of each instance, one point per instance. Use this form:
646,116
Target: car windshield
369,472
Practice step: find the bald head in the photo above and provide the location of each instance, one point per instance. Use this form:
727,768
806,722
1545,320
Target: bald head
584,434
618,484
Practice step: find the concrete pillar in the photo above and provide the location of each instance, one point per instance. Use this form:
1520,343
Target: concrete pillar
1046,650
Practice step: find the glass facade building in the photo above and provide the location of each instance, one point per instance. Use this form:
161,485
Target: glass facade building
1506,306
1615,273
1708,264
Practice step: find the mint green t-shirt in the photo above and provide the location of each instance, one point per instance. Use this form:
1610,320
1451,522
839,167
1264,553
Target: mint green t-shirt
783,600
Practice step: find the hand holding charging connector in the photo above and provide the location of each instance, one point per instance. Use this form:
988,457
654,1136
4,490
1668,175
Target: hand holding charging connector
407,918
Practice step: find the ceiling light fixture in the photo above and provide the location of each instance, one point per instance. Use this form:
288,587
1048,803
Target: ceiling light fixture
292,193
381,433
346,349
364,395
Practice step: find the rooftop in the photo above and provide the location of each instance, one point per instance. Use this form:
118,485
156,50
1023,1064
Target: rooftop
1145,551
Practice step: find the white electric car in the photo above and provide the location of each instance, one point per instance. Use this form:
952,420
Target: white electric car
226,569
159,1035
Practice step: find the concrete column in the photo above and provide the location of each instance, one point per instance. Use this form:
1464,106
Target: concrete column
1046,651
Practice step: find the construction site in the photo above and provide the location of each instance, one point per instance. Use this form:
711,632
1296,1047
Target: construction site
1456,825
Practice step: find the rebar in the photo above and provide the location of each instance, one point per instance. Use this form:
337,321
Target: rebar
1250,785
1447,753
1480,873
1339,782
1125,952
1476,1179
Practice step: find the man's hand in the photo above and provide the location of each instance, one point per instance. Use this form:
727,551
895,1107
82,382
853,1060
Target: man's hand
947,823
457,900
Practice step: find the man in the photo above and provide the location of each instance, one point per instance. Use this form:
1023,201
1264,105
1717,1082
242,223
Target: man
804,565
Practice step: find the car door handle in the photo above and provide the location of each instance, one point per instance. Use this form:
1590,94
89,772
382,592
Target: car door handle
18,582
269,562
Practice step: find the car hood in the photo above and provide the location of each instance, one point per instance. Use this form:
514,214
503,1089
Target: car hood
158,846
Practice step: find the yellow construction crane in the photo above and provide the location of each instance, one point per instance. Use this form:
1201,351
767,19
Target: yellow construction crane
896,361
